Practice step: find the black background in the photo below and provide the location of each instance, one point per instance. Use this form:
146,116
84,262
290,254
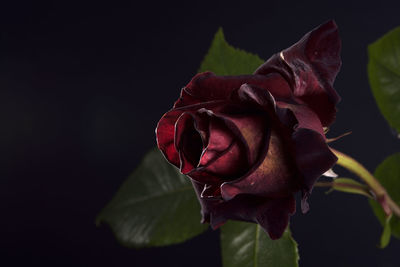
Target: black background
82,86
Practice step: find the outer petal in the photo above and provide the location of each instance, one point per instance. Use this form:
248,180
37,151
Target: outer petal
310,66
306,118
185,99
313,158
207,86
272,214
254,98
165,134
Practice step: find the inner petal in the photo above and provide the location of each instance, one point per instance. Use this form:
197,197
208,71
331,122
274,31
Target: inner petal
188,142
224,156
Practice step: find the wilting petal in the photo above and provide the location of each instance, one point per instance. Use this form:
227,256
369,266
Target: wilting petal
310,66
313,158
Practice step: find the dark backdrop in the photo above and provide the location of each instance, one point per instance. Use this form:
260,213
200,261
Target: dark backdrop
82,86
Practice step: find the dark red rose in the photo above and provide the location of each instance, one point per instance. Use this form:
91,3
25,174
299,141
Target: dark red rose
250,142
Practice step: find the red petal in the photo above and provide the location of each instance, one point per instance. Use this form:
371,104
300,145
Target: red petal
310,66
305,117
165,131
274,175
224,155
313,158
272,214
188,142
275,218
253,130
207,86
185,99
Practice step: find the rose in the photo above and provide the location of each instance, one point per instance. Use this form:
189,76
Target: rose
250,142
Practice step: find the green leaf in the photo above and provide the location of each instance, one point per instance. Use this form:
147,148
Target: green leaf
388,174
223,59
247,245
385,237
384,75
156,206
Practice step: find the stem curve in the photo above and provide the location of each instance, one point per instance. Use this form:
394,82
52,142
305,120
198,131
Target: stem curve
381,195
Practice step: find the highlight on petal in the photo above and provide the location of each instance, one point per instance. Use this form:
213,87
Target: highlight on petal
330,173
211,191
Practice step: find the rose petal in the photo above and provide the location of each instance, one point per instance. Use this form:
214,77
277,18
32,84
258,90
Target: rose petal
254,97
305,117
273,176
211,191
227,165
185,99
275,219
188,142
313,158
165,131
311,67
272,214
251,129
207,86
225,154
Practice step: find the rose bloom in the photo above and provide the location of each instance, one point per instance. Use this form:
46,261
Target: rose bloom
250,142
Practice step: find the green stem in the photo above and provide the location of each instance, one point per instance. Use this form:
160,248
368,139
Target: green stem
381,195
351,188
